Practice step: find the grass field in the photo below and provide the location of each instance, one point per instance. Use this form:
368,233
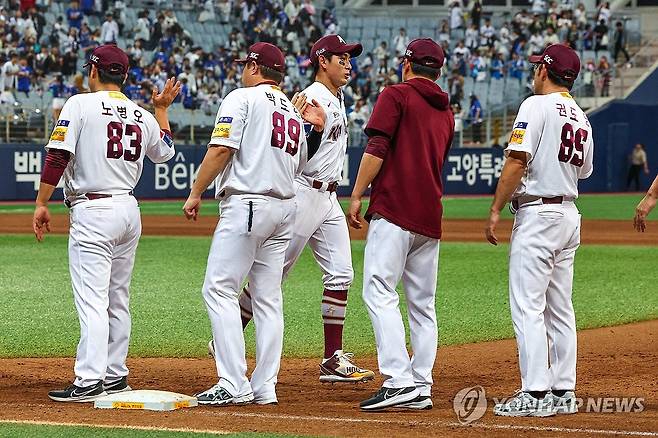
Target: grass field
604,206
472,298
12,430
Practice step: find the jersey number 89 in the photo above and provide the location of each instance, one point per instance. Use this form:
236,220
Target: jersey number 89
572,142
279,133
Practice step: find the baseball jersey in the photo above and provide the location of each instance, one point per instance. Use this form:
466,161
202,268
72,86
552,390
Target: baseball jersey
108,136
267,133
556,136
327,163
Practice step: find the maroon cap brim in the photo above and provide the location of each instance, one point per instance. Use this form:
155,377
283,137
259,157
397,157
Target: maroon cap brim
241,61
353,49
536,59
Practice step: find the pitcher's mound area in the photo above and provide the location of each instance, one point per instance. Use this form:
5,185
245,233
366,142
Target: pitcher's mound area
614,363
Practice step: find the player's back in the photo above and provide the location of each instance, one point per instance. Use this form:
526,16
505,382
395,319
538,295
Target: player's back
266,131
109,135
558,136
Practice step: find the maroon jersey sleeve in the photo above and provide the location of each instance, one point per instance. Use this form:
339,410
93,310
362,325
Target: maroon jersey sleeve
386,115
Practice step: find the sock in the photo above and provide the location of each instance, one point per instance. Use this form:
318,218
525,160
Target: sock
245,307
538,394
334,304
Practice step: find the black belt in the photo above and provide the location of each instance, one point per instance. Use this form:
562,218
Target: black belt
553,200
331,187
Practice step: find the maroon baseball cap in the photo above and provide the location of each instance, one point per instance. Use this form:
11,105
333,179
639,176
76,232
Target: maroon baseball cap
561,60
333,44
425,51
110,59
267,55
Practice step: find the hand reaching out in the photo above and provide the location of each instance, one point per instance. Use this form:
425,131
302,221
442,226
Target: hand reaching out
311,112
167,95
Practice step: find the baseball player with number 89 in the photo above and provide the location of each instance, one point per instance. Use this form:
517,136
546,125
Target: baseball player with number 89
551,148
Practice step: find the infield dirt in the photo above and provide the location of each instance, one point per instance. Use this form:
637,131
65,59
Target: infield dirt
454,230
612,362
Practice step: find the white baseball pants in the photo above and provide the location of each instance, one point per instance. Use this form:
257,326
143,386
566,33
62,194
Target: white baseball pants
251,238
543,244
393,253
102,242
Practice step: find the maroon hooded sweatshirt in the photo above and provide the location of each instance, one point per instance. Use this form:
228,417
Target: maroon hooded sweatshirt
411,129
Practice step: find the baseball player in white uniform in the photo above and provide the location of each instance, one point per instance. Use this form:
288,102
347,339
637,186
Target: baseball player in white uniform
550,149
256,150
320,220
99,144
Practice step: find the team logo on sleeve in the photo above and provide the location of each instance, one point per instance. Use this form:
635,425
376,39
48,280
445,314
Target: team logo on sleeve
167,139
59,133
222,128
518,133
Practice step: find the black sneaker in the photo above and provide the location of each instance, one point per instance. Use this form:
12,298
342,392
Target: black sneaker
219,396
422,402
78,394
120,385
387,397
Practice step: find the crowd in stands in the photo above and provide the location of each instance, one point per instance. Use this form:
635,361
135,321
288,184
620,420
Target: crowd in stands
43,57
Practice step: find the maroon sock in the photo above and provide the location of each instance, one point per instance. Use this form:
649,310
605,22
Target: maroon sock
333,317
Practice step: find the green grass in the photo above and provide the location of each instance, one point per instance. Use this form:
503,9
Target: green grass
613,285
614,207
12,430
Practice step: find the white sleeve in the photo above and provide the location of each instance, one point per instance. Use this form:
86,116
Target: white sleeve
527,129
161,145
231,120
67,129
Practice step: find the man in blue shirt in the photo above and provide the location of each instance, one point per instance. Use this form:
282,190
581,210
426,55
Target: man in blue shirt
74,15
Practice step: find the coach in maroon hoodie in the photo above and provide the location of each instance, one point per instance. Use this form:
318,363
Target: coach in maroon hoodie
410,132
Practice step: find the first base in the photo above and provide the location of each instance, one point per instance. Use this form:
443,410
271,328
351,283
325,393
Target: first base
148,399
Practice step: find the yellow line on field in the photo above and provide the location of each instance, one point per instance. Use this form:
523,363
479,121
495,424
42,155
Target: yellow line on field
114,426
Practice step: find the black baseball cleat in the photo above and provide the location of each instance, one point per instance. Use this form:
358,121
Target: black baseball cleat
389,397
78,394
120,385
421,403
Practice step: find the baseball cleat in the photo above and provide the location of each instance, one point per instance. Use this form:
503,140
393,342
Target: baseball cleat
390,397
522,404
565,404
120,385
211,348
78,394
341,368
217,396
421,403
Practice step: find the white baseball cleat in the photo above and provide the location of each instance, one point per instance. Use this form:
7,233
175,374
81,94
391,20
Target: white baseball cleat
565,404
522,404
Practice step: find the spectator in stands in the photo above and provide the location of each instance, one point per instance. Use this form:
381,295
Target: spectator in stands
604,13
74,15
588,77
381,53
497,66
79,84
400,42
357,120
9,74
110,30
89,7
458,115
471,38
604,72
638,161
601,36
551,37
142,29
444,32
572,36
456,16
619,38
487,34
208,12
475,117
588,38
24,77
476,13
59,93
518,66
456,87
538,7
535,44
